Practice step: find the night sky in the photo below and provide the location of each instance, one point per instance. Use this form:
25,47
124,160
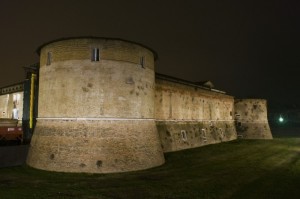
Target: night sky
246,48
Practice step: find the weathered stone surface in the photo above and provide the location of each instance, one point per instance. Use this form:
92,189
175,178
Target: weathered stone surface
251,119
110,49
182,102
179,135
95,146
113,115
95,116
189,117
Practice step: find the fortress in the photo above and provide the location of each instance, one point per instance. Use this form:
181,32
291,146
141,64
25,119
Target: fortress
103,109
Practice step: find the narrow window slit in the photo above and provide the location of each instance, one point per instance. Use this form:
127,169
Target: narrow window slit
49,58
142,61
95,54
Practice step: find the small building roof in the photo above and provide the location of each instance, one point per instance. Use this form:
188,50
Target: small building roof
206,83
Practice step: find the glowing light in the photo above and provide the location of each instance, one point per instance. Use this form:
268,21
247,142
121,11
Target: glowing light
280,119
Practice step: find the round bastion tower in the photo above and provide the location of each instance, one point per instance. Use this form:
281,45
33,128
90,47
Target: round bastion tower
96,107
251,119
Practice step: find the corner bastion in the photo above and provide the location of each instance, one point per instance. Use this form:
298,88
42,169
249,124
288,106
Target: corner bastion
251,119
96,107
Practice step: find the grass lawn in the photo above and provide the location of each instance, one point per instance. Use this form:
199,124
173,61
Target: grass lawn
238,169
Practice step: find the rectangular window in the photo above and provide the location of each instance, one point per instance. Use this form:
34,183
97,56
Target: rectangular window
142,62
49,58
95,54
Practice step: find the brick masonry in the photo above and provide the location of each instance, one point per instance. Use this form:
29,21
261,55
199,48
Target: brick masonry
96,116
189,117
251,119
113,115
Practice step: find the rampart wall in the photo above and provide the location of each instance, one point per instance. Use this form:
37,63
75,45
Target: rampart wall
188,116
102,109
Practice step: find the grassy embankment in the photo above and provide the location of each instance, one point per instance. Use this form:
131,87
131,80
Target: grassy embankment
237,169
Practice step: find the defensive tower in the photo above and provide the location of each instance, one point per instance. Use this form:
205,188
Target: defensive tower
96,107
251,119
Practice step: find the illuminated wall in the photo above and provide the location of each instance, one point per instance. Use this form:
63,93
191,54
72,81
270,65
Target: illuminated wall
188,116
251,119
102,109
96,108
4,99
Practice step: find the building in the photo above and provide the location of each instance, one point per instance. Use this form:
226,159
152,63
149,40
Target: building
103,109
19,102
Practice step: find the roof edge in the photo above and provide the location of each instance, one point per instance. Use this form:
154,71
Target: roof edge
38,50
185,82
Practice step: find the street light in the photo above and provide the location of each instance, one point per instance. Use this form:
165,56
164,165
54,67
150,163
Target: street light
281,119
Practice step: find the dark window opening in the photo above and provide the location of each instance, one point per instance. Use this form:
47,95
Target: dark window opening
95,54
183,135
142,62
49,58
203,132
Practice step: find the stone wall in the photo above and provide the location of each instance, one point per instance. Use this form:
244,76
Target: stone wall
251,119
95,116
110,49
114,115
95,146
188,116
